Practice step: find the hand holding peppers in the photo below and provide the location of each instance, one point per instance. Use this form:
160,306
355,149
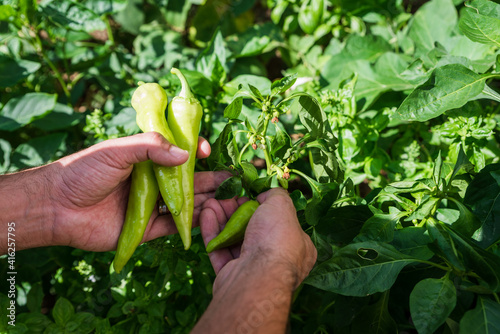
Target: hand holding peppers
176,184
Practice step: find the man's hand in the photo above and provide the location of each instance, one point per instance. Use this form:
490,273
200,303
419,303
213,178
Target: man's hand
255,280
89,190
273,235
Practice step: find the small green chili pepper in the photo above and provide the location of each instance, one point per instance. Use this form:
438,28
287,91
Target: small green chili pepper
141,202
234,231
184,117
150,102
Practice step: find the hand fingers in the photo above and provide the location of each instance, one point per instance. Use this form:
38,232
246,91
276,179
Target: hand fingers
210,228
124,152
274,192
204,148
208,181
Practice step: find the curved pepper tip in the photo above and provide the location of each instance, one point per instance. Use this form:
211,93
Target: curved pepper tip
185,90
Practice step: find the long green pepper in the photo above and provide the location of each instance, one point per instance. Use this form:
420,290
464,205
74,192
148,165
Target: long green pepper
147,179
184,116
235,228
141,202
150,102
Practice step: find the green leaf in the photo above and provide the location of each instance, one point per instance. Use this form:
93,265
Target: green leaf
62,117
413,241
35,297
63,311
406,187
219,149
263,84
483,197
282,85
317,209
14,70
449,87
23,110
299,200
462,163
280,142
483,319
342,224
72,15
325,165
485,264
9,14
254,40
433,22
445,244
261,184
250,173
431,302
375,318
380,227
256,92
36,322
230,188
38,151
176,13
311,115
467,223
359,269
233,110
480,21
436,170
425,209
5,151
82,322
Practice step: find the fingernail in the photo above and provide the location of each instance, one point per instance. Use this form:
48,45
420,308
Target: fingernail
177,152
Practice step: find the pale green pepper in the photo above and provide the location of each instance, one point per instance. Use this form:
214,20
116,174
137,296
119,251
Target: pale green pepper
184,117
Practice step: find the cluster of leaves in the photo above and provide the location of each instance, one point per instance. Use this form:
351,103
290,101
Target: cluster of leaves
381,119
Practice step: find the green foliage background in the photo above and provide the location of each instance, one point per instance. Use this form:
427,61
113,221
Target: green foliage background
388,122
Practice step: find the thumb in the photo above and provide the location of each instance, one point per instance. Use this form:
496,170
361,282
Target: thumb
126,151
